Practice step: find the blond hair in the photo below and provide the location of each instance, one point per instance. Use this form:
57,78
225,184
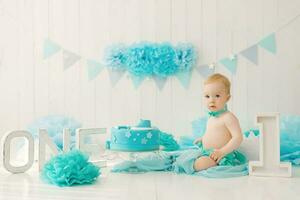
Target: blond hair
219,78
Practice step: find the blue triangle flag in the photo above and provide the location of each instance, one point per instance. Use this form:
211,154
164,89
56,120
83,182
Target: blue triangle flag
115,76
205,71
184,78
94,68
251,54
50,48
230,64
70,58
269,43
160,82
137,80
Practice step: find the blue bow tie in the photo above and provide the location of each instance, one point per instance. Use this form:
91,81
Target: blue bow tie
217,113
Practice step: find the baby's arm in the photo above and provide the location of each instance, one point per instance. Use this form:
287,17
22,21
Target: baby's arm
233,125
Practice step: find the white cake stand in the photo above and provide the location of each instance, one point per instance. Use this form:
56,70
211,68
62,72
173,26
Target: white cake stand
130,155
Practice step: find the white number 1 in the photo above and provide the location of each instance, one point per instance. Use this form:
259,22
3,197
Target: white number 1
269,149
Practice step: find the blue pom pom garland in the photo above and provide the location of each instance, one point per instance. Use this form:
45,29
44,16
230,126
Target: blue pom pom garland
147,59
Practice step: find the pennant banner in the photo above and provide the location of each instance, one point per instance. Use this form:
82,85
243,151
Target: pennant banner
70,58
251,54
115,76
160,82
137,81
94,68
269,43
50,48
230,64
205,70
184,78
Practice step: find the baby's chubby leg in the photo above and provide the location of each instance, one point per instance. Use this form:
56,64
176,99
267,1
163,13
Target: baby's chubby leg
203,162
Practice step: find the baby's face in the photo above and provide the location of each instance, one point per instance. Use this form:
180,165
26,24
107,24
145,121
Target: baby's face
215,96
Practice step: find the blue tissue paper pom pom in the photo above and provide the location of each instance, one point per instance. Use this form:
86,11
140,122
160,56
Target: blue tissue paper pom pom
69,169
54,124
115,57
186,57
141,59
165,65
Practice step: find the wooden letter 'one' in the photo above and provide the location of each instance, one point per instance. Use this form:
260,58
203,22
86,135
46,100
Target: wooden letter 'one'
6,143
44,140
89,148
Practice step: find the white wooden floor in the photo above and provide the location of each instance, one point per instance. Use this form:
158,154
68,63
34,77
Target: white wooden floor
152,186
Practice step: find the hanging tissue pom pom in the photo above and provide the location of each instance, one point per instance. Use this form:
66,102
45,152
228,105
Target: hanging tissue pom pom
115,57
186,57
54,124
140,59
165,65
69,169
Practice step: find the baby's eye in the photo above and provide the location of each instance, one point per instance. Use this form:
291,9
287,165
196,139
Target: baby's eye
218,96
206,96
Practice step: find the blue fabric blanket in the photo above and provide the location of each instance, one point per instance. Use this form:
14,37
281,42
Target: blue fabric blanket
180,161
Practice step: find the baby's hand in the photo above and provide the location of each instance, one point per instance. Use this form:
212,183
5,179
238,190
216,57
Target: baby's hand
217,155
197,140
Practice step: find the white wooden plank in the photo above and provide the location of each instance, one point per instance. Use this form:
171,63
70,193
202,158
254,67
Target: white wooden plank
239,81
254,73
87,41
288,68
268,60
209,24
287,11
41,83
100,42
26,63
10,70
72,76
56,68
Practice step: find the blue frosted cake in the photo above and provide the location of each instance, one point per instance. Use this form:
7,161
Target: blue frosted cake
140,138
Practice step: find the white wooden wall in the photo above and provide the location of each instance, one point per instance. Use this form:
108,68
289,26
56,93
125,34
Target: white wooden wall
31,87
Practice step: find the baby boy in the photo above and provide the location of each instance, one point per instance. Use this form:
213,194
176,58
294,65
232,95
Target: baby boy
223,133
